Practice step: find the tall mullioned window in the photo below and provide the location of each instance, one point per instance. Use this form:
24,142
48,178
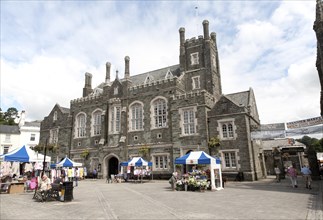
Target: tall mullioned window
97,122
189,121
227,130
80,125
230,160
115,118
160,162
53,136
136,117
160,113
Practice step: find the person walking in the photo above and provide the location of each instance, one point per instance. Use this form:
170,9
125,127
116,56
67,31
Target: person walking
277,172
292,173
95,173
306,172
76,176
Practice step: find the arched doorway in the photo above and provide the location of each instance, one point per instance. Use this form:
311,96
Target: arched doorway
113,166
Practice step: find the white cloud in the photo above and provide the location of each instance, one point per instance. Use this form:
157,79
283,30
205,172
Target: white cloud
47,48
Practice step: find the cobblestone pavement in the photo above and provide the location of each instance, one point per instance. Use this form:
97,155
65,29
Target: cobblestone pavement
96,199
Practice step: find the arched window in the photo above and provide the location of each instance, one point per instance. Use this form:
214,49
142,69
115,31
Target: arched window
230,130
55,116
227,129
224,131
115,119
80,125
160,113
136,117
96,122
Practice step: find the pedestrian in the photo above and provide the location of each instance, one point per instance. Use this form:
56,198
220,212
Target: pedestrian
95,173
277,172
306,172
292,173
76,176
173,180
70,174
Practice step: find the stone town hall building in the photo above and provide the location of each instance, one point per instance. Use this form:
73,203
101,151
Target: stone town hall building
161,115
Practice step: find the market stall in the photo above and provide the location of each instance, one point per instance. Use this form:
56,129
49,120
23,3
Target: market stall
67,168
66,162
19,157
24,154
138,166
202,158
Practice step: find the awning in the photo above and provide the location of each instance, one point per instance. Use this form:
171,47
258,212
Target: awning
136,161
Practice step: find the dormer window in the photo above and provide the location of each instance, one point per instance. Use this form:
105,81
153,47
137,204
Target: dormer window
194,58
169,74
115,90
196,82
148,79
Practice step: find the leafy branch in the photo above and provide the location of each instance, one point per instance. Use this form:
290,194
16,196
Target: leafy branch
85,154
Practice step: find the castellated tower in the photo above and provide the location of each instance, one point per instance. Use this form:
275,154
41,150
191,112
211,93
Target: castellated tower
199,61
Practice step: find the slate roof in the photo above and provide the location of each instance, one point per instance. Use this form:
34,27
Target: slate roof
156,75
32,124
64,110
9,129
240,98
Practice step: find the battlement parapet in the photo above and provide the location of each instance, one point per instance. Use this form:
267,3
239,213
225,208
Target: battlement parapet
154,84
114,101
86,99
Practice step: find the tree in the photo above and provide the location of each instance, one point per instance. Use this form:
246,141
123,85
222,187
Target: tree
313,145
8,117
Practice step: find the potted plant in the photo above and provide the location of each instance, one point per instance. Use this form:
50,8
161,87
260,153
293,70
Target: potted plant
214,145
85,154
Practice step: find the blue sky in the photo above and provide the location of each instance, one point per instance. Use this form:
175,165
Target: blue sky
47,46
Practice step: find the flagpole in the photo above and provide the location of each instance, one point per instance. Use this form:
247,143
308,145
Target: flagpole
44,162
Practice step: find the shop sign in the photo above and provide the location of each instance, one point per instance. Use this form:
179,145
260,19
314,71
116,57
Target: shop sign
292,149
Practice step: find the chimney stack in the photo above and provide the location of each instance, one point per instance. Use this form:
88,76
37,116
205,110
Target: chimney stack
107,72
206,29
88,84
127,70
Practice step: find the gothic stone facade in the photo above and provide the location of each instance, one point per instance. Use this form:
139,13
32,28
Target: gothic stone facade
160,115
318,28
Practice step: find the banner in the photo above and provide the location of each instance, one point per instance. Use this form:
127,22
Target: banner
305,123
305,131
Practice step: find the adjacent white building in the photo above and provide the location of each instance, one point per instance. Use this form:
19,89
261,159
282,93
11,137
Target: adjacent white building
15,136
